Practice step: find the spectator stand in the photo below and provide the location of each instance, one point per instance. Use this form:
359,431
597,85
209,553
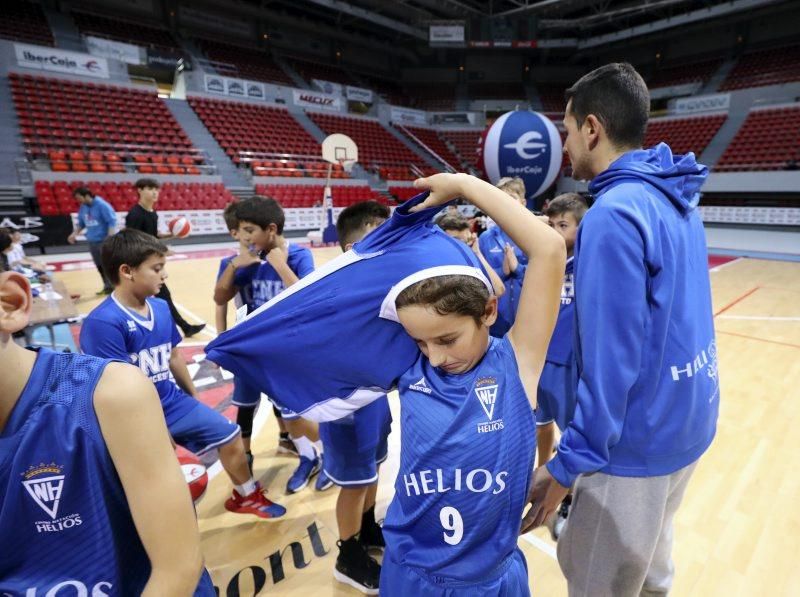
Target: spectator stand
74,126
684,133
429,140
767,140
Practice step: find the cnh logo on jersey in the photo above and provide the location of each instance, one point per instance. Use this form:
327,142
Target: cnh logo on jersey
486,390
154,361
45,485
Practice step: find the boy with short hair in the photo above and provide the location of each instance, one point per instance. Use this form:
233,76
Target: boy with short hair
134,326
261,221
356,445
143,217
245,411
556,391
89,480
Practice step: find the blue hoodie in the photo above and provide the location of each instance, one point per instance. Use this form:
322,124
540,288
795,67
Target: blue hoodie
646,358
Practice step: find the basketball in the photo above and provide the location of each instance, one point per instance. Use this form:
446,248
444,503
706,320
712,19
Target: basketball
180,227
195,474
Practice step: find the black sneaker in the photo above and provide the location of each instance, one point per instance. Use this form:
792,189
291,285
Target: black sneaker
371,536
191,330
355,567
286,445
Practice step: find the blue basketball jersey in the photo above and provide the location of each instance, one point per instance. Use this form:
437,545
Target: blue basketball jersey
492,244
467,459
65,525
259,283
113,331
312,347
560,349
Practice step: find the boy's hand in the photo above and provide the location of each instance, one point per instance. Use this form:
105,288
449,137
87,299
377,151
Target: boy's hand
244,259
510,259
278,256
474,244
443,188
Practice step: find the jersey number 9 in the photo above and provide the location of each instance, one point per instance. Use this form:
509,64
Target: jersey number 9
451,521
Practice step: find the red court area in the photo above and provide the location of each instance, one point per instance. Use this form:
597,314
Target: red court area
717,260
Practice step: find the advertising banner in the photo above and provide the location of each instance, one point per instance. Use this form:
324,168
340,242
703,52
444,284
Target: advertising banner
313,99
446,33
702,103
234,87
106,48
61,61
215,84
328,87
163,59
358,94
407,116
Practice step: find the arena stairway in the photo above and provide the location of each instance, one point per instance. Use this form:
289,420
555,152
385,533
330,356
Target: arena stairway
201,137
65,32
11,149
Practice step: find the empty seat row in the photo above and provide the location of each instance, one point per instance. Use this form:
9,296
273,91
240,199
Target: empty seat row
56,198
684,134
59,117
767,140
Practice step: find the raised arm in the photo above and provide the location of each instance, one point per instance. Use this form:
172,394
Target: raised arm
135,433
541,289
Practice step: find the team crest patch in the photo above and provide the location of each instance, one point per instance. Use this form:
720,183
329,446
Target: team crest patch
486,391
45,486
44,483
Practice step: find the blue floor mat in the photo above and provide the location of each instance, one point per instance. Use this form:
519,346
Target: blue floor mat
63,336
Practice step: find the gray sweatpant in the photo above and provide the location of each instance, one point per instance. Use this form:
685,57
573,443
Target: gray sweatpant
618,538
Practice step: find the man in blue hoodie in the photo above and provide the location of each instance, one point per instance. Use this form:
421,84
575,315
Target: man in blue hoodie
646,359
99,220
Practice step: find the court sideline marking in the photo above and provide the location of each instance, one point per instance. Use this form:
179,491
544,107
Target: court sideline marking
736,301
541,545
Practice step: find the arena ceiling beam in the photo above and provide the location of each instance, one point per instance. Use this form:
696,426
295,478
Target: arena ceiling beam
372,17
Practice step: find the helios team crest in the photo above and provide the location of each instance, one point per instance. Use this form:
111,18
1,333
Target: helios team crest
486,389
44,483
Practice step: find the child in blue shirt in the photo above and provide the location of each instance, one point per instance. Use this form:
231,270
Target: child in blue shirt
258,281
467,411
133,326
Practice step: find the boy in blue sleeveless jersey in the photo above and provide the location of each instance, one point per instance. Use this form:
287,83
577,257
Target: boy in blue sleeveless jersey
507,260
356,445
261,221
556,393
467,411
241,399
133,326
88,478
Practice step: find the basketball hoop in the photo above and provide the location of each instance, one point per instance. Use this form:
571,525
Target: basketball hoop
342,150
346,164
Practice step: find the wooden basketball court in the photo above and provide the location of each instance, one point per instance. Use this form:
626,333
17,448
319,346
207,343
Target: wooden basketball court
737,533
